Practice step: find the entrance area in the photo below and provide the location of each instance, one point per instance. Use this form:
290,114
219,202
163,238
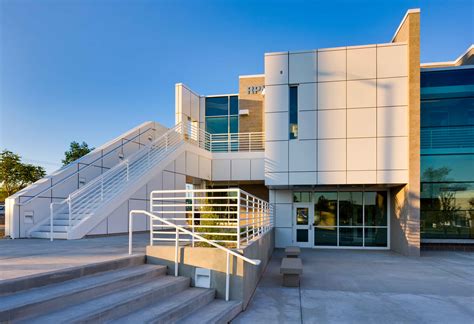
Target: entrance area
341,219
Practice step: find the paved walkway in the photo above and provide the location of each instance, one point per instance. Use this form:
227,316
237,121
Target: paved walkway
23,257
342,286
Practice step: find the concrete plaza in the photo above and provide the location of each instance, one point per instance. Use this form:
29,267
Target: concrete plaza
348,286
24,257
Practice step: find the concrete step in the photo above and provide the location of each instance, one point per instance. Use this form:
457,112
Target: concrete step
49,298
17,285
46,235
117,304
171,309
217,311
56,229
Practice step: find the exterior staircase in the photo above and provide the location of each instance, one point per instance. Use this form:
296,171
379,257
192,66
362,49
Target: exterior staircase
86,207
120,291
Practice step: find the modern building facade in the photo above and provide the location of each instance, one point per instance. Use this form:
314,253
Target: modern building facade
338,140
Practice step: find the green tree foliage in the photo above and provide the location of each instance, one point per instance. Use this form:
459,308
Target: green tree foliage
15,175
76,151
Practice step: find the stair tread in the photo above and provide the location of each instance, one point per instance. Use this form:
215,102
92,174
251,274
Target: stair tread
107,302
174,304
214,311
47,292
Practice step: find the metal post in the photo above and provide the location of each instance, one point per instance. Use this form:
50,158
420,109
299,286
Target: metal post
250,142
210,142
247,217
127,170
238,219
227,277
51,222
192,217
102,188
176,253
130,231
70,209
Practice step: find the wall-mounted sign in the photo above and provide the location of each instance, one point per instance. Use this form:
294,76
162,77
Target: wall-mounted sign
255,89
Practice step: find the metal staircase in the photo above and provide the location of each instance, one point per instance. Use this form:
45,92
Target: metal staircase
125,178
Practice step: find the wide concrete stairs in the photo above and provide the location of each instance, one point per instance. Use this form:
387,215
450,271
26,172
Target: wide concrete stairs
125,290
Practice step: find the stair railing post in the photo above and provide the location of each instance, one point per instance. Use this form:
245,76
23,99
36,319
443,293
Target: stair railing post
130,232
192,217
102,188
127,170
176,253
70,209
227,276
51,222
238,219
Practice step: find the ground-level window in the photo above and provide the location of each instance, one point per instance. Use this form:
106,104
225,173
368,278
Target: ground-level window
344,218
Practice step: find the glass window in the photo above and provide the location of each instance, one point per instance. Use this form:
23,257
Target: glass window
350,208
375,204
325,208
449,167
217,106
350,236
293,112
234,124
234,105
302,214
447,112
217,125
299,196
376,237
302,235
325,236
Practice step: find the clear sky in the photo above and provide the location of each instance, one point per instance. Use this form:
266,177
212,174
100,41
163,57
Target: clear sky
90,70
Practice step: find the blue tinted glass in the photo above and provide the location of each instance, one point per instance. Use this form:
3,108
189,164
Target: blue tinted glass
234,105
447,84
234,124
293,112
444,168
217,125
447,112
217,106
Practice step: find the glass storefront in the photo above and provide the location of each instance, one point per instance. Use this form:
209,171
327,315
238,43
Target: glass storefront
447,154
341,218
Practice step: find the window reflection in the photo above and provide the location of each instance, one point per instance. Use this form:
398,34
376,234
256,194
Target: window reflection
350,208
325,208
375,204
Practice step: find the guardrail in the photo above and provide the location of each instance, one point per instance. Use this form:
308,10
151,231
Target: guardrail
237,142
230,217
123,140
179,229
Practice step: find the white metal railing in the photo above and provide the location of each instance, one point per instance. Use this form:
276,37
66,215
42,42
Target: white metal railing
85,200
237,142
198,237
82,203
123,140
230,217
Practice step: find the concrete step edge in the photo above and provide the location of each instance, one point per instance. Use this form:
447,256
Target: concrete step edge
56,276
35,302
118,303
172,309
218,311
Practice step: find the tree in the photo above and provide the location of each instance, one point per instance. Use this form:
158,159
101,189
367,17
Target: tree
76,151
15,175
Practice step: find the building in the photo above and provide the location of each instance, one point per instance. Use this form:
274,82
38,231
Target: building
332,138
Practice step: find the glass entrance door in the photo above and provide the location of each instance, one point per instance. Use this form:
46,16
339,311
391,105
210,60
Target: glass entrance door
303,215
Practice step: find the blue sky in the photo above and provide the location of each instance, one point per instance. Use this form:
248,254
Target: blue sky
90,70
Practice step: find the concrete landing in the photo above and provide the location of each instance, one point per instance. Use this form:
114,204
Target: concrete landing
25,257
342,286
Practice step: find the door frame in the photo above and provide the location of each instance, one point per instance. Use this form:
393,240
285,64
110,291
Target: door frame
308,227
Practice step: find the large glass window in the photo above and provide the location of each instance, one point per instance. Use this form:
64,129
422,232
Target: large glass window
447,156
350,208
222,117
349,218
217,106
293,112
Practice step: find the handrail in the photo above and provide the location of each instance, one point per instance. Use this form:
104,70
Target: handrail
81,170
115,168
194,235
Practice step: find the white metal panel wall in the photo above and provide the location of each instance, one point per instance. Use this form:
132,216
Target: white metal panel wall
352,116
